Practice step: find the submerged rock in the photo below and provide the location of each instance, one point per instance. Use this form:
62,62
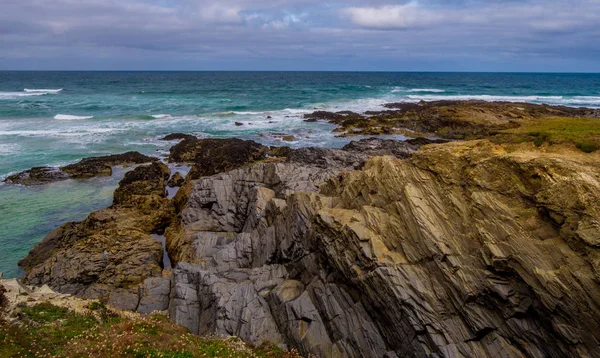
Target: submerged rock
467,249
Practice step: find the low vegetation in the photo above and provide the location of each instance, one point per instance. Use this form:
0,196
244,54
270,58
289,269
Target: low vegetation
45,330
583,133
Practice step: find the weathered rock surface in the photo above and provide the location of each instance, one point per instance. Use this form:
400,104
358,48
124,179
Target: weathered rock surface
109,254
466,250
86,168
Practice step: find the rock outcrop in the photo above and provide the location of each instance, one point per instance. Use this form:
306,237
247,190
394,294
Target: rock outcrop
445,119
37,176
86,168
109,254
467,249
211,156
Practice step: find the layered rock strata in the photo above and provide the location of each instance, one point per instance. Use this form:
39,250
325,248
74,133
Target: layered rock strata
467,249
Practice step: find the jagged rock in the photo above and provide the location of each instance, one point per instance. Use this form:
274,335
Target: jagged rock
110,253
212,156
101,166
178,136
37,176
239,124
468,249
176,180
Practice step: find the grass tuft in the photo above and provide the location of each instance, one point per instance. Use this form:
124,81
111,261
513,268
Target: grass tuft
583,133
50,331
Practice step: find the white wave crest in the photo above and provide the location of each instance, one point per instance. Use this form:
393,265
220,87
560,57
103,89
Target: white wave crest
489,98
432,90
41,90
15,95
161,116
69,117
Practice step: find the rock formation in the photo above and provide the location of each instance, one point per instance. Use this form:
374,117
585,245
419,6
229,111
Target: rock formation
461,249
109,254
445,119
86,168
467,249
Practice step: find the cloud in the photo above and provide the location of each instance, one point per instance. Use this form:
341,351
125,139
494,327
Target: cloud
299,34
392,17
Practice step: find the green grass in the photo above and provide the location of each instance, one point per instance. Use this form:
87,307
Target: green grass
44,330
584,133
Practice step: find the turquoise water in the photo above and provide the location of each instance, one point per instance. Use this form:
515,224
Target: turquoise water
54,118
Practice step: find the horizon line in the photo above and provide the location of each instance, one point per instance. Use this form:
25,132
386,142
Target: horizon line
322,71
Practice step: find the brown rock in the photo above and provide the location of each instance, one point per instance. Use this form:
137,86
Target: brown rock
176,180
86,168
109,254
212,156
37,176
101,166
445,119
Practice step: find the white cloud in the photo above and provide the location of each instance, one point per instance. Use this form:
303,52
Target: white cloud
392,17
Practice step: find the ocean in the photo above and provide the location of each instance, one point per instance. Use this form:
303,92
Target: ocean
56,118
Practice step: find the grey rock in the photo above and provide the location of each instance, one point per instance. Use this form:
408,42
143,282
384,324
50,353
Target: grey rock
154,295
378,146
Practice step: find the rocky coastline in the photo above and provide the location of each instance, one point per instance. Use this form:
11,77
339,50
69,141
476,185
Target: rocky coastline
478,237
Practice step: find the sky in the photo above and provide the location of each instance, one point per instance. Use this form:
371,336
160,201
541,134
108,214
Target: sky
377,35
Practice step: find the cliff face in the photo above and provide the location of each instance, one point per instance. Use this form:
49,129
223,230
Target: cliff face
467,249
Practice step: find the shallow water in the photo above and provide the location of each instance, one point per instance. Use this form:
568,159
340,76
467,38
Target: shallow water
55,118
